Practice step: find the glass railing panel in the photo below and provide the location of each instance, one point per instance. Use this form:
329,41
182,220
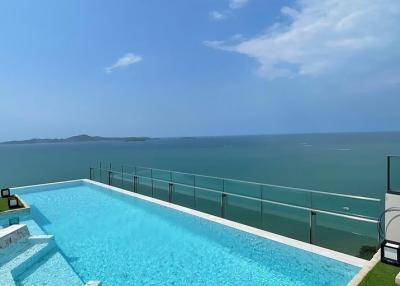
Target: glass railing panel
242,188
161,190
242,210
395,174
183,195
128,169
94,174
209,183
181,178
126,182
354,237
346,205
286,221
287,196
161,174
143,172
144,186
208,202
116,180
104,176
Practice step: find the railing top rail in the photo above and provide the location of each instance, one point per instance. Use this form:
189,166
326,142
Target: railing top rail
266,185
338,214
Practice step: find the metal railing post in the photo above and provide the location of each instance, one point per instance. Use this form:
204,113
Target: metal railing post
109,178
194,192
388,174
222,206
122,176
311,226
90,173
170,188
223,195
261,206
152,183
135,184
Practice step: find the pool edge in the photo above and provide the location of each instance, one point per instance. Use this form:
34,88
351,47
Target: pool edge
355,261
332,254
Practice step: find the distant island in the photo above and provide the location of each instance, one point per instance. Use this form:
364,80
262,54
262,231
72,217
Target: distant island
78,139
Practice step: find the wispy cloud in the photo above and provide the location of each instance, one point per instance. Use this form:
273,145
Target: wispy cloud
237,4
322,36
233,5
123,62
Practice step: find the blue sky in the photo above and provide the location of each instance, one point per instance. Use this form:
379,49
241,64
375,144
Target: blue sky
198,67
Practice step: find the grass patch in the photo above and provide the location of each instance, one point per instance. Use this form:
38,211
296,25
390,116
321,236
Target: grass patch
382,275
4,204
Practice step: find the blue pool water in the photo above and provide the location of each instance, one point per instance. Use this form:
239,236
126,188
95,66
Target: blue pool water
121,240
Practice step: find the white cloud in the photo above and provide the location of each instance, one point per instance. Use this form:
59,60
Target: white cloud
233,5
322,36
237,4
218,16
124,61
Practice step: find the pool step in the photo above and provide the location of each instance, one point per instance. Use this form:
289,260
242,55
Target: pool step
53,269
22,255
12,234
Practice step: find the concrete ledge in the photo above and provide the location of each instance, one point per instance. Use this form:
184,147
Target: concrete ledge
12,234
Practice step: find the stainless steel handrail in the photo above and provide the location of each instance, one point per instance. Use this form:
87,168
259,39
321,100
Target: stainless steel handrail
311,210
265,184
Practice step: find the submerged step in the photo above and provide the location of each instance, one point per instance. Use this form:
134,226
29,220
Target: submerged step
17,258
53,268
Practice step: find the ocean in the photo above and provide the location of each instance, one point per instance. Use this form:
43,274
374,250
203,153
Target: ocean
349,163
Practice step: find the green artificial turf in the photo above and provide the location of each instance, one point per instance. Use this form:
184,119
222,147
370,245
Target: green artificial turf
381,275
4,204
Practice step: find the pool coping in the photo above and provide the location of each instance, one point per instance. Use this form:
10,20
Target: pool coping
367,268
345,258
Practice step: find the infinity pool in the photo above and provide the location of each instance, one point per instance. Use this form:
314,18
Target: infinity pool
122,240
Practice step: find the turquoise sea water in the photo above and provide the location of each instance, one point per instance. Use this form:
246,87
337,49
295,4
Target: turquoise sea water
121,240
352,163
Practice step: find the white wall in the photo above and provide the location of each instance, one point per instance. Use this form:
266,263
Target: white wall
392,219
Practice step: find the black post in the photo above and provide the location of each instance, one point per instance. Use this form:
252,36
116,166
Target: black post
135,183
261,206
109,178
223,205
152,183
194,192
312,223
170,188
90,173
388,173
122,176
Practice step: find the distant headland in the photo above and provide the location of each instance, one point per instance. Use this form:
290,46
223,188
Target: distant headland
78,139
